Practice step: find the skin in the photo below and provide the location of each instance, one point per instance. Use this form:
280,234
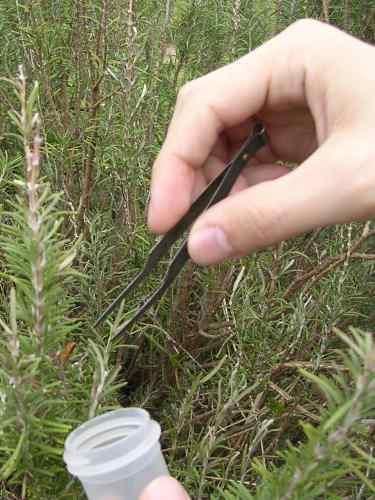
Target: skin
164,488
313,87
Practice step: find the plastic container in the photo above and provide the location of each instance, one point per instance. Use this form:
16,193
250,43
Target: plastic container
116,454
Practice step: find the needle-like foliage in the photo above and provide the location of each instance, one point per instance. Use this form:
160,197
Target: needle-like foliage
240,363
336,452
40,392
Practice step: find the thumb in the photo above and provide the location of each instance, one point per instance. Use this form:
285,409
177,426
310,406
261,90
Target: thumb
333,185
164,488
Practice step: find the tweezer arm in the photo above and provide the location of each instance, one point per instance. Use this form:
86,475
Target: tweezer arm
166,242
160,248
217,190
174,268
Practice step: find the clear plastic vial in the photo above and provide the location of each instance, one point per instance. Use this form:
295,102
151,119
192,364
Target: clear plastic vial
116,454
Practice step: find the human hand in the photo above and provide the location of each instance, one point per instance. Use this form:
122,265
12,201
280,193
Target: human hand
313,87
164,488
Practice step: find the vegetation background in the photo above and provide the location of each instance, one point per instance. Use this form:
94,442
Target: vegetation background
240,363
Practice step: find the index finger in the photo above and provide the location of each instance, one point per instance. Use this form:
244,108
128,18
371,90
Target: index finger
199,117
205,107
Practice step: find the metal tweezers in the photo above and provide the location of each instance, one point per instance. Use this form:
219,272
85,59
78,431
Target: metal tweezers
217,190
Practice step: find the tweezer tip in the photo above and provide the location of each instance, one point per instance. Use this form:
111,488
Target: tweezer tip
259,128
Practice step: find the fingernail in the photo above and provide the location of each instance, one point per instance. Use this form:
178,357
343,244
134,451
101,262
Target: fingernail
152,212
209,245
163,488
150,203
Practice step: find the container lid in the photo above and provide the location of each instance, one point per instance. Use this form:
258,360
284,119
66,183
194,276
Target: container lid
121,439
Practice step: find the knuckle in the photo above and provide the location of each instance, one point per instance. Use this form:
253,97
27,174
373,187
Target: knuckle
259,225
306,26
310,34
186,92
363,181
262,225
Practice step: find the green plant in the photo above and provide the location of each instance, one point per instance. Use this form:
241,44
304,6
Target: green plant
36,379
337,452
218,361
